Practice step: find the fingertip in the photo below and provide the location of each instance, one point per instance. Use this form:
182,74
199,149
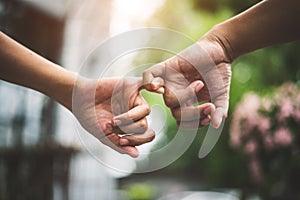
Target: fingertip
161,90
210,108
124,142
198,85
205,121
216,122
154,86
133,152
156,83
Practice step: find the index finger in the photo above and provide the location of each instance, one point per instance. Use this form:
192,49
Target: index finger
138,112
136,140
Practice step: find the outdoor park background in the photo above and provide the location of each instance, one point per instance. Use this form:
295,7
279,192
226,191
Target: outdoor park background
257,156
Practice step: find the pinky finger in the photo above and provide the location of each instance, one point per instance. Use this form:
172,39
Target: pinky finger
136,140
112,141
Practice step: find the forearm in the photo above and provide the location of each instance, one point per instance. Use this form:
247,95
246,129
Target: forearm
21,66
268,23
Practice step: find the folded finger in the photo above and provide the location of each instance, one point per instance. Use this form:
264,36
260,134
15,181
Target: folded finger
193,125
177,98
137,127
218,116
132,115
136,140
113,141
191,113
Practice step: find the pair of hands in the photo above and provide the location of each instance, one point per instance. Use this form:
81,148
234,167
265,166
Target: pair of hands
111,107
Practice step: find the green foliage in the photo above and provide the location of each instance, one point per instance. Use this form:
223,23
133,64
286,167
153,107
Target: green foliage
266,130
260,71
140,191
181,16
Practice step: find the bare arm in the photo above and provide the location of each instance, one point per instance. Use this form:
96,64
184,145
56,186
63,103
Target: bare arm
268,23
21,66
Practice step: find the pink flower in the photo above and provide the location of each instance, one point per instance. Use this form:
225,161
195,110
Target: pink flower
286,109
296,115
245,111
268,142
255,170
251,147
266,104
283,137
263,124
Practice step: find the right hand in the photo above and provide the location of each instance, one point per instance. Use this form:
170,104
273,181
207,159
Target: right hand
201,69
110,107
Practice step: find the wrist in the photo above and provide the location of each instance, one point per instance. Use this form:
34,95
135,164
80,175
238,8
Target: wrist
219,46
60,88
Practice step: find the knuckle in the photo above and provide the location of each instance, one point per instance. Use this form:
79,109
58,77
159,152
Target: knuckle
181,62
143,123
151,137
146,72
147,109
170,101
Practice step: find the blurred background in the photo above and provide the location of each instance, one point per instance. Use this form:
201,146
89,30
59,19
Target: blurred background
257,156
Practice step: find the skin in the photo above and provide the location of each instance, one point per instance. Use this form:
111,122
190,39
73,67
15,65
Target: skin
268,23
96,98
182,77
204,76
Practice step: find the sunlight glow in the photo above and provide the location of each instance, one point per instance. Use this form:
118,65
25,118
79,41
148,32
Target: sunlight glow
131,14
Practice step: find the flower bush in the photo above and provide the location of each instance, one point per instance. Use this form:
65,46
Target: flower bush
267,130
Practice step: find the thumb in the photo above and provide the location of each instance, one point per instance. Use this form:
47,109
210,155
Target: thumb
220,113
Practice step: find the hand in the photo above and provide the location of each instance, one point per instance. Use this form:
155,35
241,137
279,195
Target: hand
199,73
110,107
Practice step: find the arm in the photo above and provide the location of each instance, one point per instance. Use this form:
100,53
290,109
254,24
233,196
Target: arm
268,23
21,66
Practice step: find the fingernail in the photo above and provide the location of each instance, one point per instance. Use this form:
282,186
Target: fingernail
124,141
117,122
198,87
205,122
161,90
153,86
